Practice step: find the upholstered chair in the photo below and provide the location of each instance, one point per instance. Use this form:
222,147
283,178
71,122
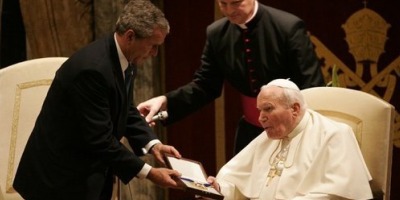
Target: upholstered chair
23,87
372,120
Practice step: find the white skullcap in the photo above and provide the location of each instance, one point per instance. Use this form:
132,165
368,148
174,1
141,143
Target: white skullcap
284,83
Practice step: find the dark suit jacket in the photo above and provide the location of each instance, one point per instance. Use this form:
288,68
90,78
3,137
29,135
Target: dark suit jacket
75,144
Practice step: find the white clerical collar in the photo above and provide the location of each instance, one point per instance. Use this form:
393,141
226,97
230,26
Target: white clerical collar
122,59
300,127
243,26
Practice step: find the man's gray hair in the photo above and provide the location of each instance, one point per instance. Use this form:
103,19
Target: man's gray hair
291,92
142,17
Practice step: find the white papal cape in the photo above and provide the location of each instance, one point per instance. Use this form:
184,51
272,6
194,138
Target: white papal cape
324,159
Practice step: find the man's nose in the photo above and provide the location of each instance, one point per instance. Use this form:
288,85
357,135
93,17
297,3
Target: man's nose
262,117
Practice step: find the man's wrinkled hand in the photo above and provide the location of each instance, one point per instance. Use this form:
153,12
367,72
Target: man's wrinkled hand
213,181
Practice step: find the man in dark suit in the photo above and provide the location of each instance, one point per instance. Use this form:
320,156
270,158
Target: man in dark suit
252,45
74,149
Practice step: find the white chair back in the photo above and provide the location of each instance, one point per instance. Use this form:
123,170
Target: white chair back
23,87
372,120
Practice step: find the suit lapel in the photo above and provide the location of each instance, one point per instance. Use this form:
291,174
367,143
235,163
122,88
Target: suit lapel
120,88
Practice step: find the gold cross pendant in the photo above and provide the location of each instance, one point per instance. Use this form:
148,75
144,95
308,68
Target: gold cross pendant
271,175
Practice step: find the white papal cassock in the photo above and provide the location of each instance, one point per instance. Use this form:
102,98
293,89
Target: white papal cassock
323,162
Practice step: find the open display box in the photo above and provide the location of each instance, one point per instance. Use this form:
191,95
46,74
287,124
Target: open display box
194,178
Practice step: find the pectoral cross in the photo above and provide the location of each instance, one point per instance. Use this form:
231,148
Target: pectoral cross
271,174
278,165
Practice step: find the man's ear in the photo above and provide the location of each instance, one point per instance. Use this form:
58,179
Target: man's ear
296,108
130,35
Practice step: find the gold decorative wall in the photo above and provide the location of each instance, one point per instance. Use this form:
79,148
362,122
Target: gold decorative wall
366,36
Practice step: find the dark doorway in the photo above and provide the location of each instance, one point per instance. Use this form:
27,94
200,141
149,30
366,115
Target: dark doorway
13,43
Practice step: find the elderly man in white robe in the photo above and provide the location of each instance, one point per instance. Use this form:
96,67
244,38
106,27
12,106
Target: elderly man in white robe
300,155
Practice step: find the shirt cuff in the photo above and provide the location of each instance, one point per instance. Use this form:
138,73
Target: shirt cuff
144,171
148,146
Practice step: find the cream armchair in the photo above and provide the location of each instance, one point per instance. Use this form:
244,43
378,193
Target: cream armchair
372,120
23,87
